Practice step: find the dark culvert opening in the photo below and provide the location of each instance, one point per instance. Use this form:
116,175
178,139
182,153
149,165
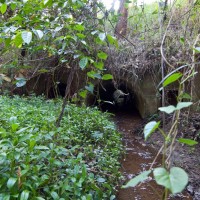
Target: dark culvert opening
112,99
57,91
171,97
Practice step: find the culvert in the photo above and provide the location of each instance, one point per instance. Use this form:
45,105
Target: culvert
113,99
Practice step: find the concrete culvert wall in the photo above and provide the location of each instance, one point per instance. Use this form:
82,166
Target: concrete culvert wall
142,91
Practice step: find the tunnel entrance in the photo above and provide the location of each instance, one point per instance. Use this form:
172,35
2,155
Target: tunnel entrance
57,91
115,99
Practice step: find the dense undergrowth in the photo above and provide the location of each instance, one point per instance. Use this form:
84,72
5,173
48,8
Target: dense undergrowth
79,160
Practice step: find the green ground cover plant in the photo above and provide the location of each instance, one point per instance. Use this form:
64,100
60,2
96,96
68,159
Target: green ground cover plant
78,160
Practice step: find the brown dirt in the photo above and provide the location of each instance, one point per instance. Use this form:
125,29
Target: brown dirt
138,157
184,156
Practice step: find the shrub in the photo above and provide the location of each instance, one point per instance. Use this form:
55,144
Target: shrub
79,160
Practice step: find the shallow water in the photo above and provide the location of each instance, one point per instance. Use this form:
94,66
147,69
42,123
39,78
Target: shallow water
138,157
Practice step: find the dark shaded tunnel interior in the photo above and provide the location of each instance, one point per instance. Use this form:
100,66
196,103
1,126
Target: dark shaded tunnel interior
57,91
112,99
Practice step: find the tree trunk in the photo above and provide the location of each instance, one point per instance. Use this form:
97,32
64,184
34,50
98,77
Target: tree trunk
121,27
67,92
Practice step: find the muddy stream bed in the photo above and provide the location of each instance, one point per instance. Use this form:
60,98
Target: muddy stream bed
137,158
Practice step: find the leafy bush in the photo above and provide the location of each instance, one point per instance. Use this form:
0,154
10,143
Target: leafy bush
79,160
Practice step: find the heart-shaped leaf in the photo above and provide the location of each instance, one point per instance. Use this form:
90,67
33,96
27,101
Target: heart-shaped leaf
175,181
181,105
27,36
102,36
39,33
167,109
150,128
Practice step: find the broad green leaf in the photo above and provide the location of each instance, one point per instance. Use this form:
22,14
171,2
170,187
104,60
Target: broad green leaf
3,8
81,36
99,65
47,2
13,29
14,126
39,198
97,135
27,37
83,93
167,109
17,40
171,109
112,40
84,42
13,6
93,74
13,119
24,195
83,62
4,196
138,179
186,96
20,82
175,181
32,144
102,36
3,157
178,179
174,77
94,32
42,147
107,77
187,141
90,88
58,28
150,128
101,180
102,55
24,1
79,27
39,34
11,182
161,176
55,195
17,155
22,130
181,105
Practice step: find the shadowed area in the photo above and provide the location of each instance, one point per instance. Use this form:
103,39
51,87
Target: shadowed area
114,99
56,91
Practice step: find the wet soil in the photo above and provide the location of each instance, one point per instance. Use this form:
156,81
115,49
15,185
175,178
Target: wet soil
138,157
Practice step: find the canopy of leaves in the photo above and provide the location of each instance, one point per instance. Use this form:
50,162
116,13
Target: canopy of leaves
69,30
